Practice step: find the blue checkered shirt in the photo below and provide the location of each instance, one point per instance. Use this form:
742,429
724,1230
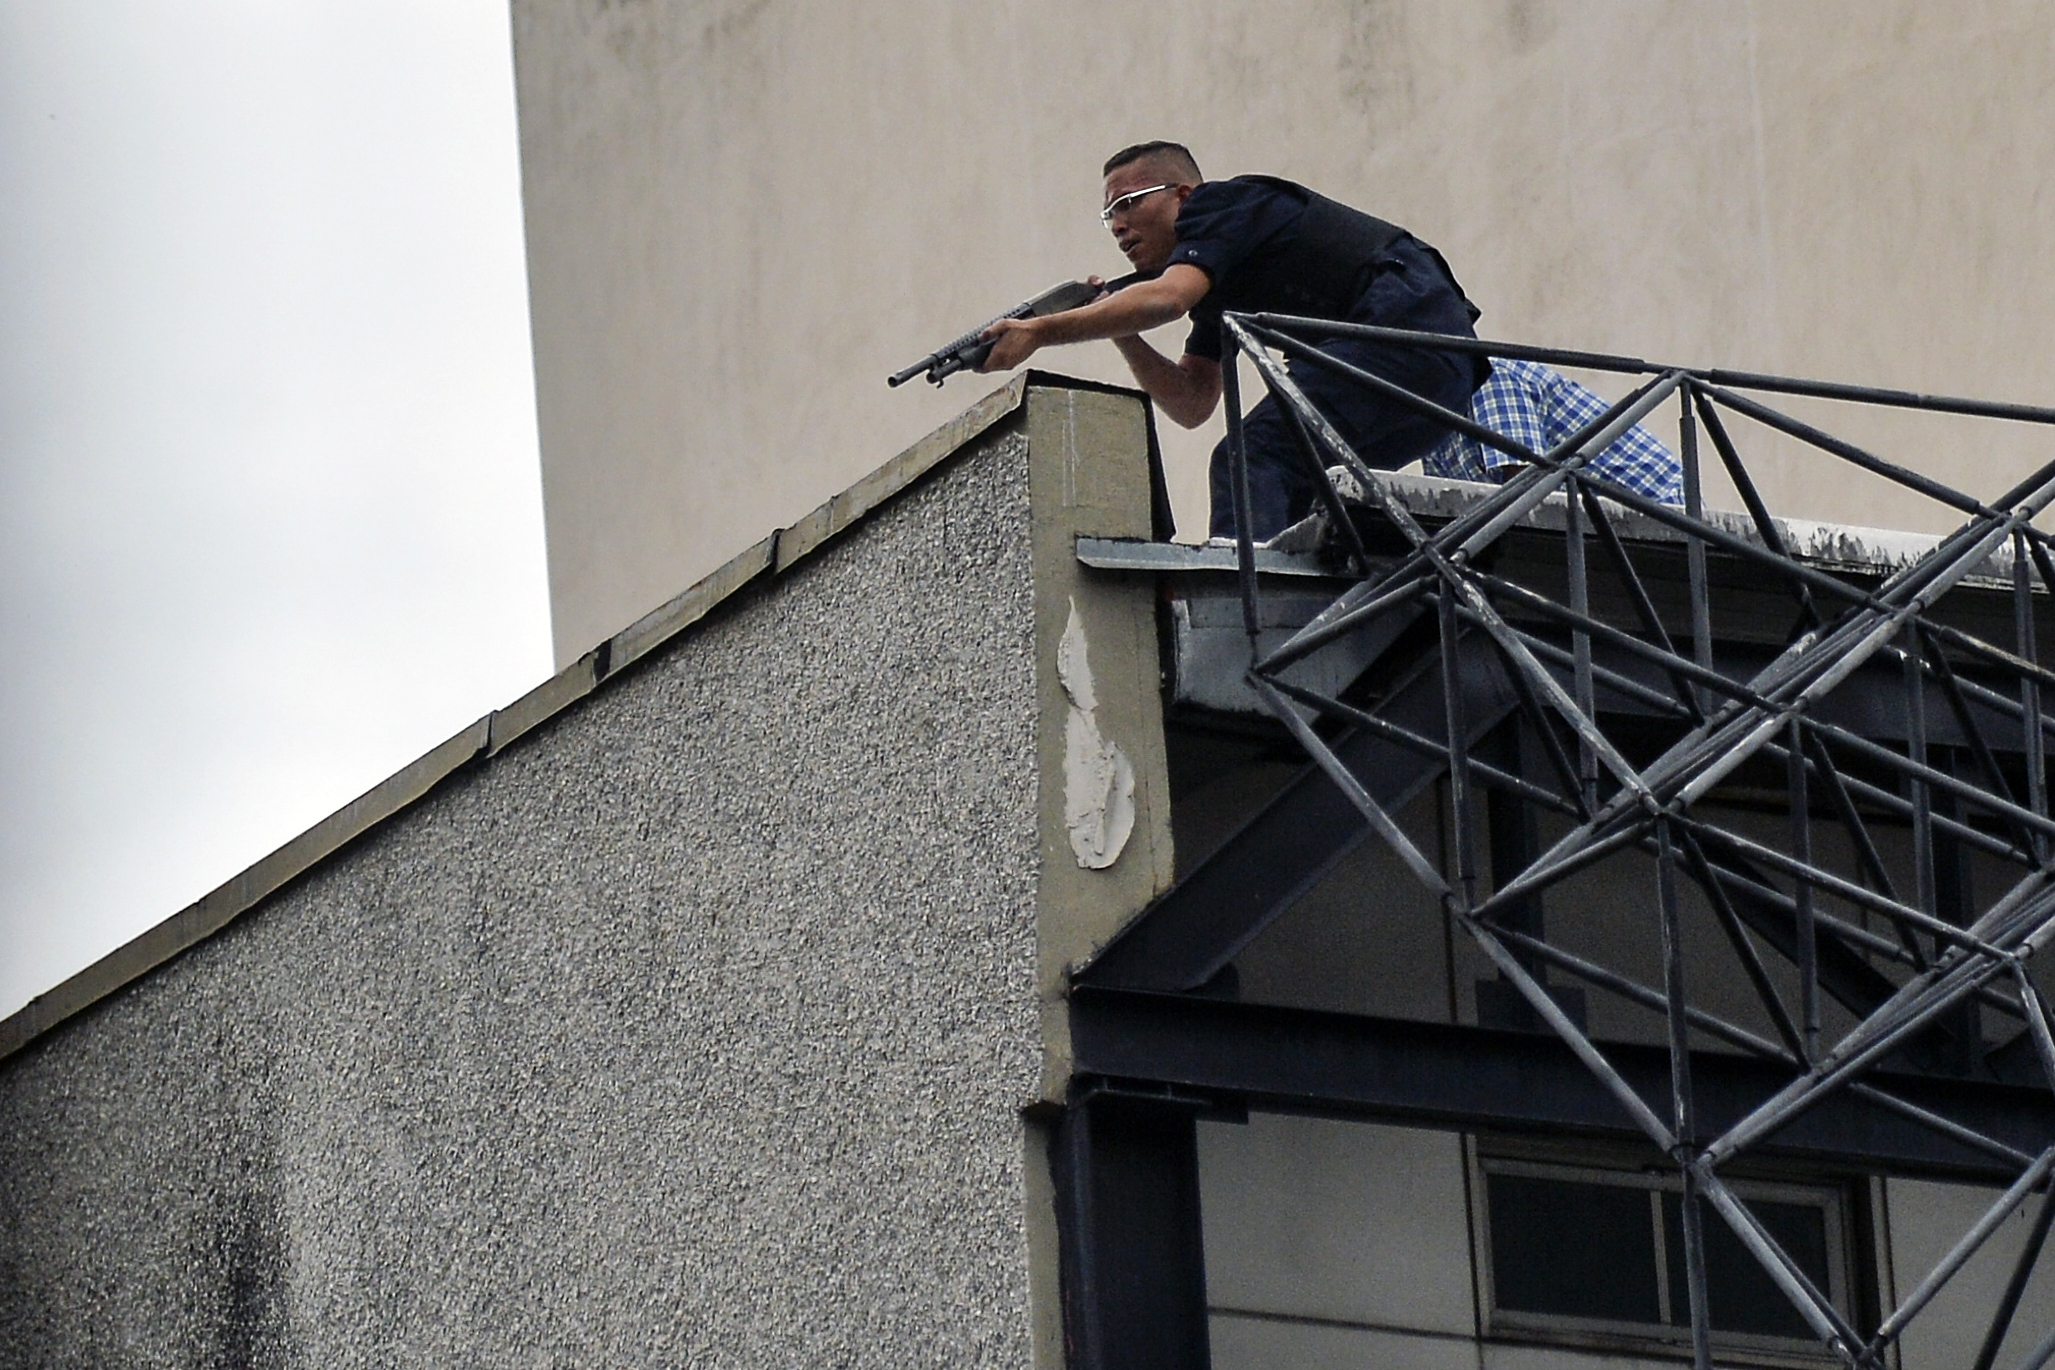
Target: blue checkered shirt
1539,408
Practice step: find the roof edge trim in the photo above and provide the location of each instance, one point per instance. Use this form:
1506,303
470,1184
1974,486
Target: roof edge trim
222,905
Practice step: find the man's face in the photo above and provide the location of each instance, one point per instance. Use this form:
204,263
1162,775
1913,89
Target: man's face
1145,229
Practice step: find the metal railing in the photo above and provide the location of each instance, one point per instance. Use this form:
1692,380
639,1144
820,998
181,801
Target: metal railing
1937,960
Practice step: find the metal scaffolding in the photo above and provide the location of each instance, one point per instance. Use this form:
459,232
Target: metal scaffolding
1937,958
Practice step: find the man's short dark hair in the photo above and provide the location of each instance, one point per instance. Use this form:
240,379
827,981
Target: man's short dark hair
1175,156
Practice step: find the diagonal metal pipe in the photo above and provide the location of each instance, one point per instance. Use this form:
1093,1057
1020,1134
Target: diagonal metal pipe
1771,714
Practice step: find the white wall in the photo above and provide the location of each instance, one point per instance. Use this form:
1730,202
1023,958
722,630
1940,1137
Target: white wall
1332,1243
1926,1221
742,215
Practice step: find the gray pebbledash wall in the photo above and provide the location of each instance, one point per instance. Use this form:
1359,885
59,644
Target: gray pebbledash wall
694,1028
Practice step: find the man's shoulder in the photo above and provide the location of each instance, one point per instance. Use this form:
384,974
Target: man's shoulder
1248,188
1238,205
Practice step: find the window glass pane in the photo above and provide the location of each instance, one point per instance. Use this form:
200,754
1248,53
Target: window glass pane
1744,1298
1570,1248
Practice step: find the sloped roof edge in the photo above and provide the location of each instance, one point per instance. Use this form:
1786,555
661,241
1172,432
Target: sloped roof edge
486,738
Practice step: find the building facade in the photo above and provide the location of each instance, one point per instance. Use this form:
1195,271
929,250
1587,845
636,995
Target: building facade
1512,931
917,942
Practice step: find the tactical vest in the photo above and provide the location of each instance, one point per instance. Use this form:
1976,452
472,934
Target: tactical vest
1327,267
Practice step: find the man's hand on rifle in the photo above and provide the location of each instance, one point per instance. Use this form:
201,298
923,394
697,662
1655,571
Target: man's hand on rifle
1123,315
1015,340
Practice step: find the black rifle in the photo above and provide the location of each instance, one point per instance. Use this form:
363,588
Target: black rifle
968,352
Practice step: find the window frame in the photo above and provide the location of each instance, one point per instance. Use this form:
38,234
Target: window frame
1622,1168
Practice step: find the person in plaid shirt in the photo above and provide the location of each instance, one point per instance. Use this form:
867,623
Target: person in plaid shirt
1539,408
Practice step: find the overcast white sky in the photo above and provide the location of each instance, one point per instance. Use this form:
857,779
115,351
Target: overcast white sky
270,511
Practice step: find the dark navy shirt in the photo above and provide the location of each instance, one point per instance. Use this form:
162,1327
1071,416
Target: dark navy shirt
1225,224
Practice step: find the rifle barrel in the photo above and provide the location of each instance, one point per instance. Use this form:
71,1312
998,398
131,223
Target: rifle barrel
970,350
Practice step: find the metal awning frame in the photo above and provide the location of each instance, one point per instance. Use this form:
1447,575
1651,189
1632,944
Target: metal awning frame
1941,958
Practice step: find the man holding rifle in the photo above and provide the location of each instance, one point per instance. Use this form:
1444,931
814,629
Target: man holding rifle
1258,244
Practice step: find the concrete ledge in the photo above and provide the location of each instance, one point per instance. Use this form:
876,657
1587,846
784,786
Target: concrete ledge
848,508
240,893
559,692
659,626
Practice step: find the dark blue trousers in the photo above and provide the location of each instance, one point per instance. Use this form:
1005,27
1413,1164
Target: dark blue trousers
1384,433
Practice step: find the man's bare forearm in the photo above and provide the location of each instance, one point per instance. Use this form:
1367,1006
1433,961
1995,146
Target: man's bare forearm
1186,392
1137,309
1140,307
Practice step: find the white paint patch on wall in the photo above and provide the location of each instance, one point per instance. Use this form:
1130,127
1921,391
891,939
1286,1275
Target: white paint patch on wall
1098,779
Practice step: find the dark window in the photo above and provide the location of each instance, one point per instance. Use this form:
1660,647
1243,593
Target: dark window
1607,1271
1598,1255
1743,1296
